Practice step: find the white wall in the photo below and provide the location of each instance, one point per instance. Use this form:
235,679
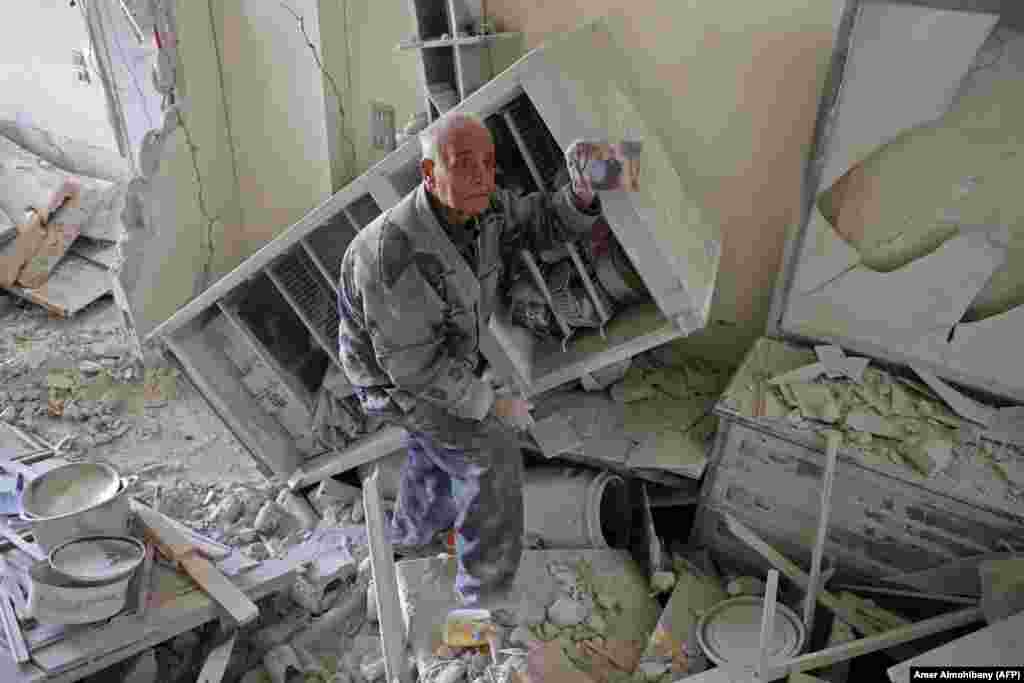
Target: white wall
38,82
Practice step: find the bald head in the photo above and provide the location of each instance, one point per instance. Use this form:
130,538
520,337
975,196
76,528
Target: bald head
434,138
458,165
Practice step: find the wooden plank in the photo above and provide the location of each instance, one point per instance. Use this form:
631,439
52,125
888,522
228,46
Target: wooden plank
264,437
863,646
12,630
797,575
959,577
93,649
217,661
389,609
179,547
810,599
74,284
996,645
897,593
767,623
373,447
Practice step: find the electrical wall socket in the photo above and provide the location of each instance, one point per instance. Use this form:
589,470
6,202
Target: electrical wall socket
382,126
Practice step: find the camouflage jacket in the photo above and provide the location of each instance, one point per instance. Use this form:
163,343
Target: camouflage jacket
411,307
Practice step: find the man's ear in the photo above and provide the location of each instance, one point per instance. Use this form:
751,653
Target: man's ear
427,169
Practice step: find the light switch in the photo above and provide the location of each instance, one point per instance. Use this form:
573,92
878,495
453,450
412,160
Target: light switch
382,126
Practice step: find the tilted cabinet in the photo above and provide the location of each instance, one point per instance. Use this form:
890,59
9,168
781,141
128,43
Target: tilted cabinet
574,88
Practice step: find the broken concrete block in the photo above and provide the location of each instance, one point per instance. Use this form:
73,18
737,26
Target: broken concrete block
269,517
332,492
453,672
358,513
228,510
299,508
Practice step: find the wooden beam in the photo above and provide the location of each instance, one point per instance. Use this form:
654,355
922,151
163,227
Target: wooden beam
389,609
882,641
897,593
373,447
794,573
771,594
832,439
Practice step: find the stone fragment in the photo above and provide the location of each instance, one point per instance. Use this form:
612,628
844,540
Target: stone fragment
358,514
269,517
453,672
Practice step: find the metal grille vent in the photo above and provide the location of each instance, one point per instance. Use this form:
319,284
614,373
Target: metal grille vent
329,242
311,293
539,141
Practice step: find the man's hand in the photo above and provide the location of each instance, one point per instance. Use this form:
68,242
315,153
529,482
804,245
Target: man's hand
576,157
513,411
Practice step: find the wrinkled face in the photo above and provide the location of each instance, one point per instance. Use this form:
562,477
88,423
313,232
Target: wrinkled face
465,181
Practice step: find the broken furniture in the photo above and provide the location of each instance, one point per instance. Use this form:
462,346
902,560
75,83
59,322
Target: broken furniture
174,602
451,39
259,343
65,255
917,483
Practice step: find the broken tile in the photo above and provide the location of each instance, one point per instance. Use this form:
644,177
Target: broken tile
869,422
808,373
833,358
816,402
963,406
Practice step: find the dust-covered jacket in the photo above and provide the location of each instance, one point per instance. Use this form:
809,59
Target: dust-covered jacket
411,308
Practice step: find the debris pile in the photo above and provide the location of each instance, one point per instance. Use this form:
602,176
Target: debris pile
885,419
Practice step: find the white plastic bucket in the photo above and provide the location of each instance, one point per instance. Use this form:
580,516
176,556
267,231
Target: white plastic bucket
575,508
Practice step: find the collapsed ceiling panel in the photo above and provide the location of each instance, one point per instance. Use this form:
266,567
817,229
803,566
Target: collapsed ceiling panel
895,309
903,68
963,170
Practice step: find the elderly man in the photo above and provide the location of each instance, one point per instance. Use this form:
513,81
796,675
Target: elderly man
417,289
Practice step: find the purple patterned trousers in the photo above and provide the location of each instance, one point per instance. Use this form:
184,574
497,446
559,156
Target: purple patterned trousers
467,475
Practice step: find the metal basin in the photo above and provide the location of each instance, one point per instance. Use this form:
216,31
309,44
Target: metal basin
69,489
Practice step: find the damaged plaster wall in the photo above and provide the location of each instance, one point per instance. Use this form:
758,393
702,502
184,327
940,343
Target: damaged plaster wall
360,54
908,222
253,104
39,84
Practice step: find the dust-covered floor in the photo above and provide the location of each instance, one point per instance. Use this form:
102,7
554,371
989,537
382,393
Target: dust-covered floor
74,382
76,378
